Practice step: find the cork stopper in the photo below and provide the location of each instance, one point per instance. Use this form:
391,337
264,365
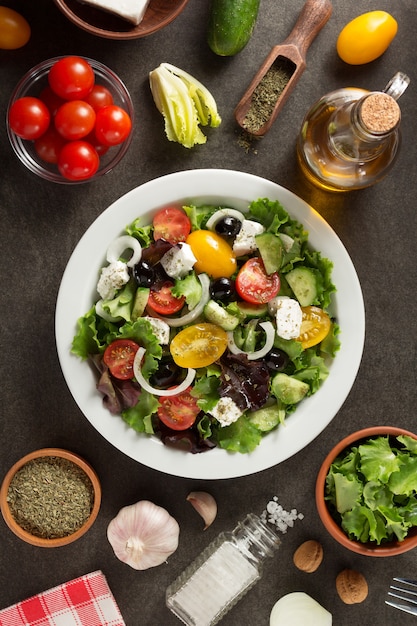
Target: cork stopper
380,113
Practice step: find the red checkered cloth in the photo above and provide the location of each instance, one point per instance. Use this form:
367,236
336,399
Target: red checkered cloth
84,601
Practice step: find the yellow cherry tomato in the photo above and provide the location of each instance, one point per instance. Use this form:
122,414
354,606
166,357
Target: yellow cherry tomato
198,345
214,255
14,29
366,37
315,326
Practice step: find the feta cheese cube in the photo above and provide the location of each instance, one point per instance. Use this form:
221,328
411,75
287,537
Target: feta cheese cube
112,278
245,242
159,328
178,261
130,10
288,317
226,411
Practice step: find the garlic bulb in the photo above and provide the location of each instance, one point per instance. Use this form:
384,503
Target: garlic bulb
205,505
143,535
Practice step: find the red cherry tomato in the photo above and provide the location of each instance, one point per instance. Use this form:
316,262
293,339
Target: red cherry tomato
163,302
52,101
75,119
29,117
171,224
99,148
254,285
119,357
71,78
78,160
178,412
113,125
49,145
14,29
99,97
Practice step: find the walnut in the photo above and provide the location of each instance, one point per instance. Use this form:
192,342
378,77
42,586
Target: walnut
308,556
351,586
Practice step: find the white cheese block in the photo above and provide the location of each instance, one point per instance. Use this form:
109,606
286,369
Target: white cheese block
226,411
159,328
245,242
112,278
130,10
289,317
178,261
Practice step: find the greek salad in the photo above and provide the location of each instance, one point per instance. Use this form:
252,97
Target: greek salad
210,325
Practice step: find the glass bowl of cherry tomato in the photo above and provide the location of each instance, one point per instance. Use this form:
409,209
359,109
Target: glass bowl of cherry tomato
70,120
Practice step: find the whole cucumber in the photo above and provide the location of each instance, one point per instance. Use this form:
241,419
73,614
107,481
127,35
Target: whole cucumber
231,23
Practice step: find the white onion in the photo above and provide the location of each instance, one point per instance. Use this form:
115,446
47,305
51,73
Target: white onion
159,392
119,245
298,608
102,313
189,317
258,354
220,214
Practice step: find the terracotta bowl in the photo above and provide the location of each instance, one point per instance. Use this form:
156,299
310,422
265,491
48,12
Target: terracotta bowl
61,540
159,14
368,549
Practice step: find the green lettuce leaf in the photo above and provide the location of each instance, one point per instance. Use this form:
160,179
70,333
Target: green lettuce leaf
139,417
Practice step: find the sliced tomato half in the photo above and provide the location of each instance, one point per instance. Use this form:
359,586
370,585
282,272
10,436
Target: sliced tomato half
119,357
171,224
254,285
163,302
178,412
315,326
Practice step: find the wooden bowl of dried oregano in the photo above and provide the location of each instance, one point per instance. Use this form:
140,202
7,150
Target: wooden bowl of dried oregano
50,497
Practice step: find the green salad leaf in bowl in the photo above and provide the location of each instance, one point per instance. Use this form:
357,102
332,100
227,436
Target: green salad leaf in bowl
367,490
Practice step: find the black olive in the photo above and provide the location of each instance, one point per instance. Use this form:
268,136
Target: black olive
222,289
167,375
144,274
276,360
228,226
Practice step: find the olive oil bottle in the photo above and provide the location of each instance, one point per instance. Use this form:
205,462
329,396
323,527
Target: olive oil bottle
350,138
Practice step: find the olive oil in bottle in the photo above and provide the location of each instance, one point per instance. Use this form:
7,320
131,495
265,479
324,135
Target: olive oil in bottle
350,138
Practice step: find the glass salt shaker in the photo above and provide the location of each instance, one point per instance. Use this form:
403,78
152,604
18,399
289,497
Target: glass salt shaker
222,574
350,138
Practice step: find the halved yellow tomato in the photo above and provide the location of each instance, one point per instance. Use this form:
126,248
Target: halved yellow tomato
198,345
214,255
315,326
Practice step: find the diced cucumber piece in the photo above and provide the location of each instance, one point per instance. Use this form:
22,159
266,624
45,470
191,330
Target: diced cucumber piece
268,417
305,283
271,250
252,311
140,302
288,389
216,314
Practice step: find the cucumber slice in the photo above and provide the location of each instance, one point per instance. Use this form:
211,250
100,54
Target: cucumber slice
271,250
288,389
252,311
216,314
140,302
268,417
305,283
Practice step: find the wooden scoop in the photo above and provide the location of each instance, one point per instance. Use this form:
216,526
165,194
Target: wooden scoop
286,59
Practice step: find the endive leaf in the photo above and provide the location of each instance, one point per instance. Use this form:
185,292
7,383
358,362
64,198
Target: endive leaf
184,103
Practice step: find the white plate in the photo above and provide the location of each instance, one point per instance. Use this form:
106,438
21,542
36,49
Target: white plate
78,292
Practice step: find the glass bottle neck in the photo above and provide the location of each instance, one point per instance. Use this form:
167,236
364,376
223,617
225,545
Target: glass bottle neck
361,129
255,539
